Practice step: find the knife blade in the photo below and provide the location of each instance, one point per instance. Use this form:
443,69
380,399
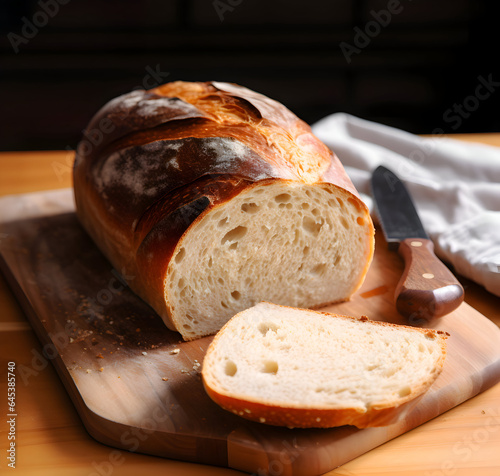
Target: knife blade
427,289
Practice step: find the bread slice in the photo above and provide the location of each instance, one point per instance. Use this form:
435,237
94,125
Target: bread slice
299,368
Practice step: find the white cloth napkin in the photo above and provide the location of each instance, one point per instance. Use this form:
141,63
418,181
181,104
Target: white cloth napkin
455,186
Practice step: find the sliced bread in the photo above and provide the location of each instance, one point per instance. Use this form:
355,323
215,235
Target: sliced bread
299,368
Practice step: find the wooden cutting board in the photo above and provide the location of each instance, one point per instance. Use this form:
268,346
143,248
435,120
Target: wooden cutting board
137,386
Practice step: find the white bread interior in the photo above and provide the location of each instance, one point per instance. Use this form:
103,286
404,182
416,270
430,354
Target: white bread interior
286,359
303,245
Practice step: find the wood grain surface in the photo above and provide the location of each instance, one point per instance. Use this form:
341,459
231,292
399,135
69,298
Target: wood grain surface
136,385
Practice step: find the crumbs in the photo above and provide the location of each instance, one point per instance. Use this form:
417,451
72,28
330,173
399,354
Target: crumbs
101,345
80,335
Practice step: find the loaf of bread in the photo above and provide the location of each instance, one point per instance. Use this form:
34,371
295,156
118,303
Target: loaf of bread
299,368
209,198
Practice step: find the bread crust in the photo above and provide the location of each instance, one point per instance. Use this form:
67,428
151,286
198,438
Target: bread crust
309,416
175,153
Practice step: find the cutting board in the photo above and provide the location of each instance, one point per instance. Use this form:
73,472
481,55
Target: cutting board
137,386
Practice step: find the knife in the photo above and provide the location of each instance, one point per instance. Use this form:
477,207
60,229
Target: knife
427,289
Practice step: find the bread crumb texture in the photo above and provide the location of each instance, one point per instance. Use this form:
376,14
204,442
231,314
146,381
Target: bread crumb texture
284,242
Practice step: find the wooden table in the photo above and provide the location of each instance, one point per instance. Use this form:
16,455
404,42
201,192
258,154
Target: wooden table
52,440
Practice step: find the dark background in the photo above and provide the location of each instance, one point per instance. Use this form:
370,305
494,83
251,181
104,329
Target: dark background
428,58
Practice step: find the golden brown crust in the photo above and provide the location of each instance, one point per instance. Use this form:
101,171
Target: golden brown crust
310,417
174,153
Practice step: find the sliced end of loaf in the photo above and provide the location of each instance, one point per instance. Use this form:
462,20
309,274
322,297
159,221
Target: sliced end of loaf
296,244
298,368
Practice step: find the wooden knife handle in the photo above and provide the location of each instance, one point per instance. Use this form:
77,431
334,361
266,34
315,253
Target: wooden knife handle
427,289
